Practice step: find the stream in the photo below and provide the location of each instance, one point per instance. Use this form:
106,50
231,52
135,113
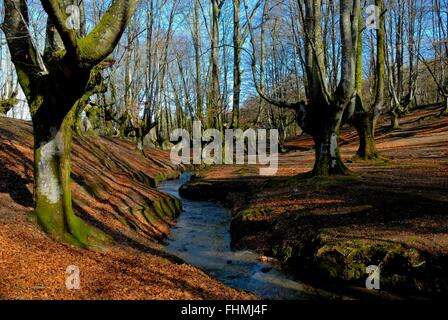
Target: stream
201,237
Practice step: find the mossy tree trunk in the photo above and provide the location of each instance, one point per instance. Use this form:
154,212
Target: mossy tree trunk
366,116
365,126
326,110
394,122
326,138
53,86
214,98
328,160
52,184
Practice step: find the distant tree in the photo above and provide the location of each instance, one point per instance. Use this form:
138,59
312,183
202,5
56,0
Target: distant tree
214,97
8,101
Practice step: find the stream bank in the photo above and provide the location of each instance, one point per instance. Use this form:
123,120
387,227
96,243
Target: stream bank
313,226
202,238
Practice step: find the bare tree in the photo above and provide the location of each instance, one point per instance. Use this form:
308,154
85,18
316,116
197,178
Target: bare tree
322,114
53,84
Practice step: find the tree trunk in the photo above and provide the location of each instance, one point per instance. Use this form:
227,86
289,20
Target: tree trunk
140,145
215,104
52,191
365,126
328,160
52,89
366,116
140,137
236,64
394,124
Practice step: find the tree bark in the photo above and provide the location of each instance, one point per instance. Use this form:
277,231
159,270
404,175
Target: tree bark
445,109
326,138
365,126
394,123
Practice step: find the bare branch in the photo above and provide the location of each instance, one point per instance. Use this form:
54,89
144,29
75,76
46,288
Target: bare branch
23,53
58,17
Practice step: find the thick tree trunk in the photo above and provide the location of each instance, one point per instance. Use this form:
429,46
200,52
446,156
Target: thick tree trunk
394,124
328,159
365,126
52,192
52,89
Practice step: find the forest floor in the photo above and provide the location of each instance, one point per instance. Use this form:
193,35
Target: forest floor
114,190
390,212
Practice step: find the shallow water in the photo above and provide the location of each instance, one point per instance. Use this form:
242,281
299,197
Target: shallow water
201,237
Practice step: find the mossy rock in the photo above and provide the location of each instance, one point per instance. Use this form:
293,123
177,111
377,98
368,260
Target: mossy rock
243,222
403,269
168,206
163,176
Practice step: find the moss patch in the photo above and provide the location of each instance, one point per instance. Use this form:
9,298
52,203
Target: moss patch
403,269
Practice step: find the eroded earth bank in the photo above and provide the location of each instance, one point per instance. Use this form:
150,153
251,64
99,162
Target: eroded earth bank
390,213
